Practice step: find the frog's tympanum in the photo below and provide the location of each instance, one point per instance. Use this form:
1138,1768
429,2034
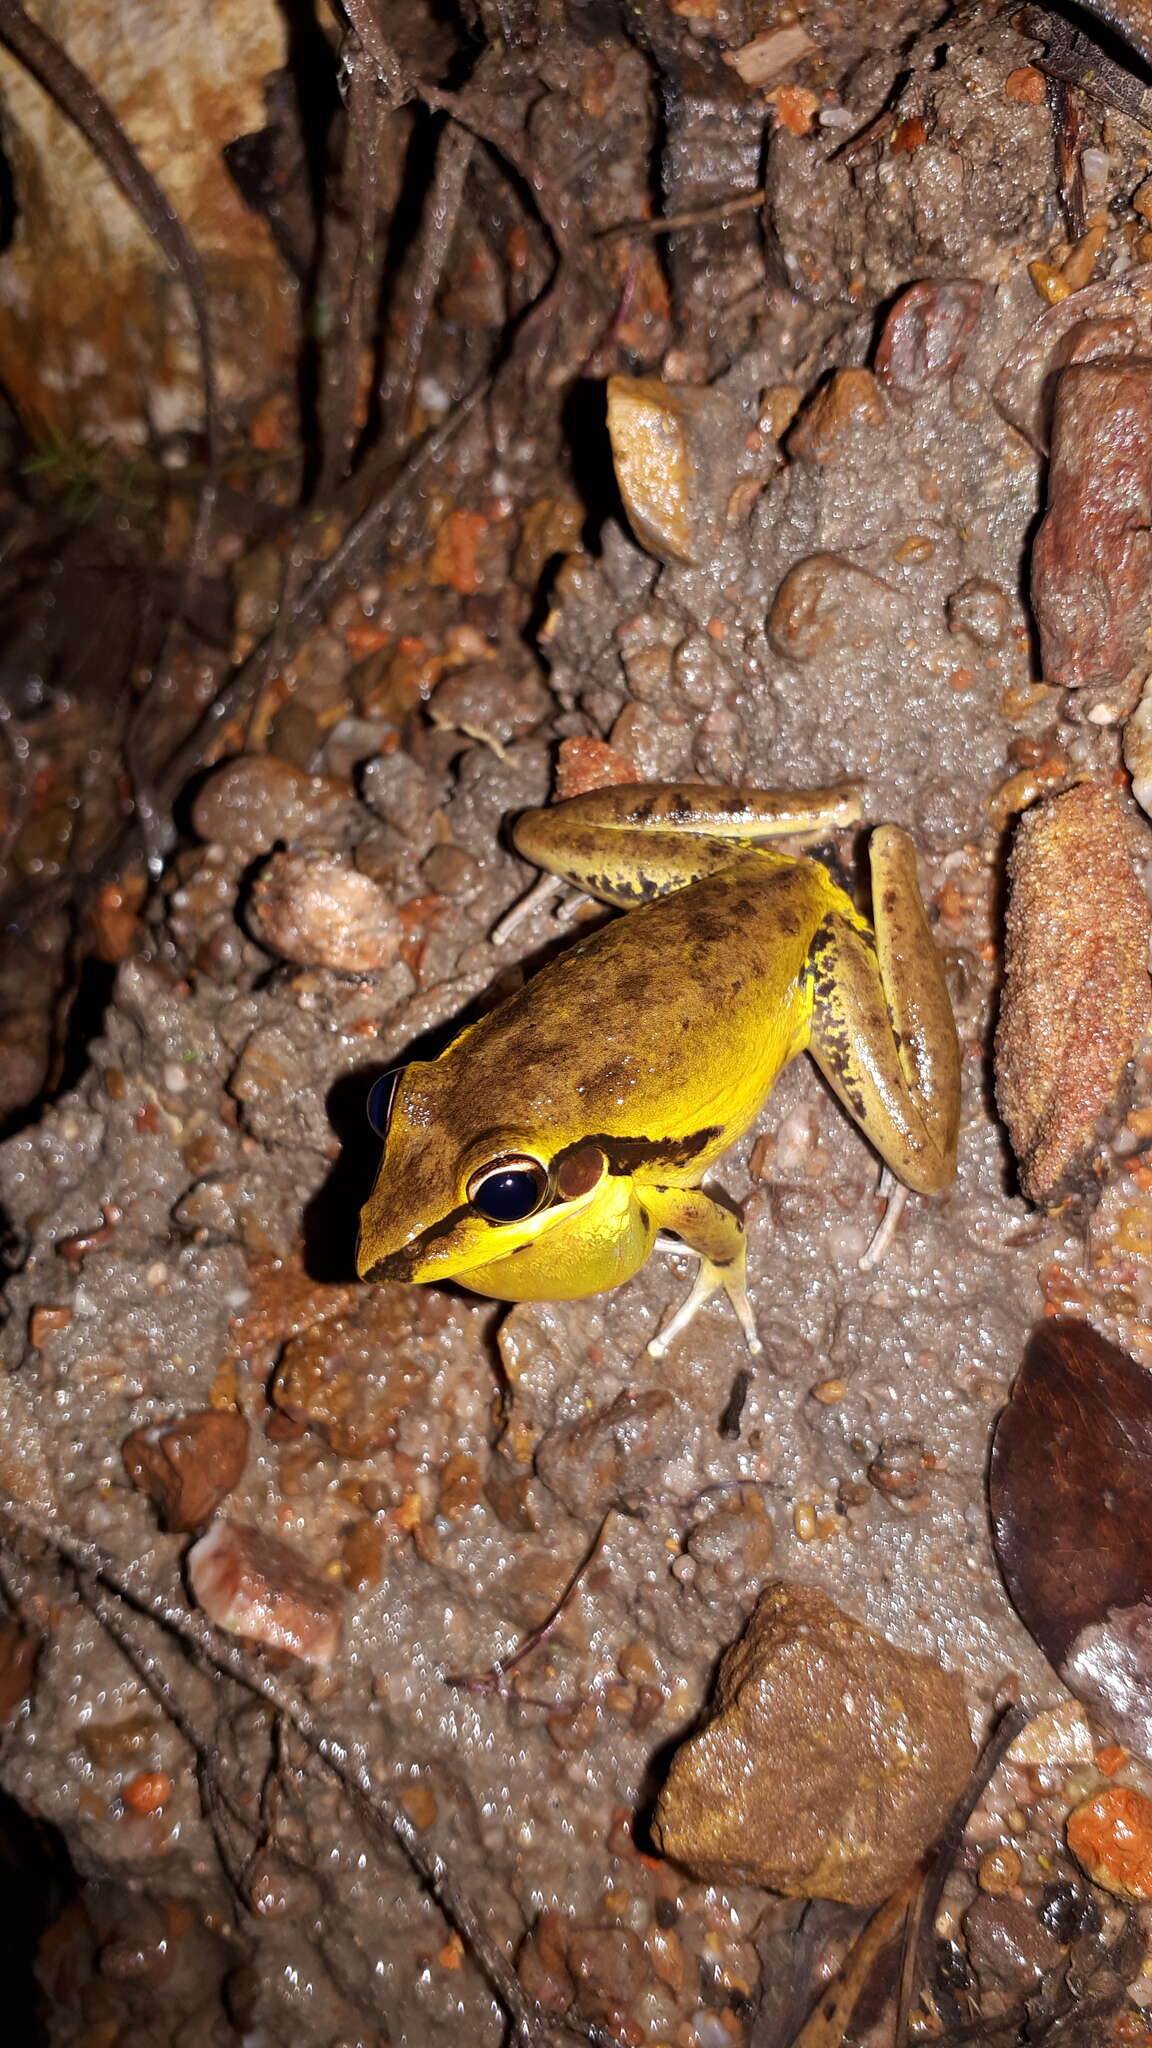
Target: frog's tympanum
540,1155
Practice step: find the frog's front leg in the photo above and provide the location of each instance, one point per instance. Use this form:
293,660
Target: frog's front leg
882,1030
635,841
717,1238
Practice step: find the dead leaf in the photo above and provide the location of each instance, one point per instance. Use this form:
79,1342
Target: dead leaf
1069,1485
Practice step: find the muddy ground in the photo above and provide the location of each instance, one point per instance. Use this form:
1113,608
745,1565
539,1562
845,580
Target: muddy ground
401,1844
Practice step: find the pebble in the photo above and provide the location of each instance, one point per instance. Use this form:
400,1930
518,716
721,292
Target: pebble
317,910
189,1465
1111,1838
253,1585
257,800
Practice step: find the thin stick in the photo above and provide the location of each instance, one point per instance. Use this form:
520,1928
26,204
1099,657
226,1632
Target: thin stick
492,1680
695,217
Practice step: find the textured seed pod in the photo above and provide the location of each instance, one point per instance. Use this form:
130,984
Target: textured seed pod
1076,992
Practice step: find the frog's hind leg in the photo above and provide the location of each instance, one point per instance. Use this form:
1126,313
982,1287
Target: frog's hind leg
634,841
717,1238
882,1031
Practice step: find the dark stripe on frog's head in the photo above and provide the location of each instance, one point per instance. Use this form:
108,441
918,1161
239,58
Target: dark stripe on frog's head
630,1155
401,1264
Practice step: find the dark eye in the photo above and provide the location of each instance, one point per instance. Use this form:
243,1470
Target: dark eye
379,1103
508,1191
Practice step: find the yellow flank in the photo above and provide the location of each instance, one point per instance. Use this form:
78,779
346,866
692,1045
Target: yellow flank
539,1156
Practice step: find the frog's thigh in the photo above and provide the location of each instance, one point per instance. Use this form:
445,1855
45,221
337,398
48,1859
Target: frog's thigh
882,1031
635,841
717,1238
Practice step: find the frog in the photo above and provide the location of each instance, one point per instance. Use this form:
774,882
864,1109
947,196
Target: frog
557,1140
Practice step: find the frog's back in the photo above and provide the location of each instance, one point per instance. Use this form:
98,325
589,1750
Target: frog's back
669,1024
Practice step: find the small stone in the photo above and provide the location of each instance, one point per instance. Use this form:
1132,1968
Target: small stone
981,610
674,450
851,399
928,333
1111,1838
828,1762
487,703
616,1457
148,1792
253,1585
827,599
1027,85
319,911
1000,1870
589,764
256,800
1008,1944
189,1465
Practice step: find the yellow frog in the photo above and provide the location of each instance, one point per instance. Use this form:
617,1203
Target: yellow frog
540,1155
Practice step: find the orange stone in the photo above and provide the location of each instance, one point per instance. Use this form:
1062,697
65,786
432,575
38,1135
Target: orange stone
1111,1837
1027,85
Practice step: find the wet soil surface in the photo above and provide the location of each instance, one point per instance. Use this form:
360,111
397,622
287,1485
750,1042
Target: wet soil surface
412,1478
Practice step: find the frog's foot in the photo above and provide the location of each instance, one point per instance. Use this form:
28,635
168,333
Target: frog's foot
881,1241
717,1238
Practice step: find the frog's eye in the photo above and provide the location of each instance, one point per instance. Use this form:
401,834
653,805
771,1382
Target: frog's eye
508,1190
379,1104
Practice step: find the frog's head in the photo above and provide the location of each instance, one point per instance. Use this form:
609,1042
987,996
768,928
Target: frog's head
523,1215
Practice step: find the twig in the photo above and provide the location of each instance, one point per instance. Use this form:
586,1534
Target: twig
352,275
921,1920
437,227
374,1801
492,1680
695,217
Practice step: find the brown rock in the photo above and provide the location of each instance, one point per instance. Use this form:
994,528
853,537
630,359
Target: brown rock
488,703
1076,995
827,598
614,1457
927,334
850,399
253,1585
1009,1946
674,451
320,911
250,803
828,1762
189,1465
1092,560
354,1377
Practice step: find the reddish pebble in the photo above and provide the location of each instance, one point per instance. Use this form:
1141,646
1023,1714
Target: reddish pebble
253,1585
589,764
1027,85
188,1465
1111,1836
148,1792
